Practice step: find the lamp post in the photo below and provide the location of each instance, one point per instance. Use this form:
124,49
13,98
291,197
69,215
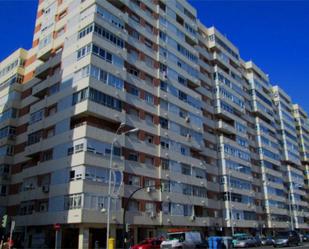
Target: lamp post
110,178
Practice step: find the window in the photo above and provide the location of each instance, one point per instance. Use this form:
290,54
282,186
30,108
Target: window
135,34
133,156
149,139
51,110
9,150
164,123
8,131
149,118
186,169
36,116
54,89
134,112
73,202
133,71
164,144
149,160
79,148
50,132
135,18
150,208
148,43
3,190
83,51
149,98
98,97
133,90
34,137
102,32
133,205
150,183
62,14
134,180
70,151
47,155
199,173
104,14
165,164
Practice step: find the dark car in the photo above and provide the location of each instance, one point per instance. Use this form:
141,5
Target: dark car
287,238
267,241
148,244
306,237
202,245
258,240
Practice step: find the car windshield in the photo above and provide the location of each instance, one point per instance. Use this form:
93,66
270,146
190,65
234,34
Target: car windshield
178,236
236,236
282,235
242,238
144,242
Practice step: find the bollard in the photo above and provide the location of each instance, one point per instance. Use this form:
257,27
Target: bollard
111,243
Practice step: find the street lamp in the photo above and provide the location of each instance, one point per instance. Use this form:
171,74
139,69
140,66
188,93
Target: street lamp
230,198
110,178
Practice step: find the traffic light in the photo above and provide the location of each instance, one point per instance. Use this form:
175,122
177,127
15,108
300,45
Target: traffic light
4,221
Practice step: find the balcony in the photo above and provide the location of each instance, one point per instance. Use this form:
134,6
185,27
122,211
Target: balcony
226,128
43,70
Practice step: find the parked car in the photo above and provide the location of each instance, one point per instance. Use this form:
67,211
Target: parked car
186,239
306,237
258,240
238,235
244,241
152,243
267,241
287,238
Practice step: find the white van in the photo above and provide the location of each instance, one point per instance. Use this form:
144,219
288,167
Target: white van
182,240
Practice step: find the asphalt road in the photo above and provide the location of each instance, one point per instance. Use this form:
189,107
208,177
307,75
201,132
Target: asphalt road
303,246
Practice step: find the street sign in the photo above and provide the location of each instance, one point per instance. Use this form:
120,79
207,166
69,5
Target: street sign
57,226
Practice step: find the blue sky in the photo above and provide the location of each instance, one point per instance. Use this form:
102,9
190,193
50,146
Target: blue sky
274,34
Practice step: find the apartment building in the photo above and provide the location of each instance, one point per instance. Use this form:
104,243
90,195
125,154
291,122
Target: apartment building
11,75
220,149
268,168
290,158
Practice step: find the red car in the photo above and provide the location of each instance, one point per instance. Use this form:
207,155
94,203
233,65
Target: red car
148,244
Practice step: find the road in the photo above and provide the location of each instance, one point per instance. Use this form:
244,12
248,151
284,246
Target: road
303,246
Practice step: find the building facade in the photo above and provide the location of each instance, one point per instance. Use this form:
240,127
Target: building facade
218,148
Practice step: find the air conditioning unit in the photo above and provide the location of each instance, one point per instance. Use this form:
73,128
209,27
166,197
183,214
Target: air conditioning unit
188,137
187,119
29,187
148,189
45,188
192,218
152,215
